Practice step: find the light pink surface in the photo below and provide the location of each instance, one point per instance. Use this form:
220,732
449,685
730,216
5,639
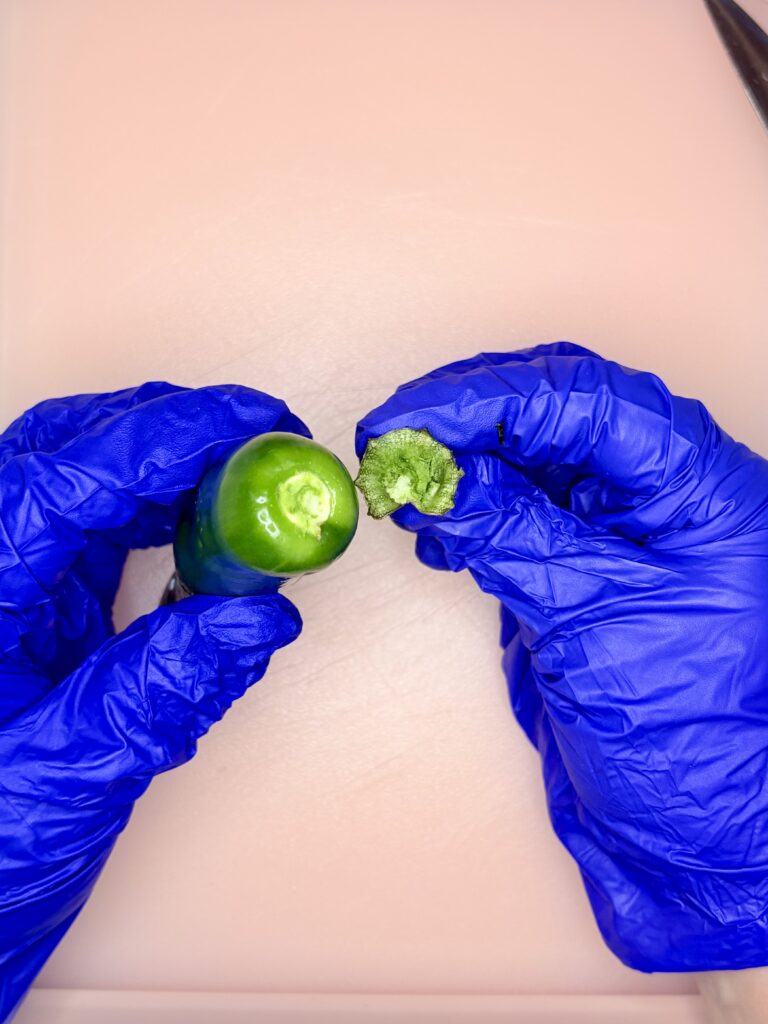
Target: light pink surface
68,1006
322,199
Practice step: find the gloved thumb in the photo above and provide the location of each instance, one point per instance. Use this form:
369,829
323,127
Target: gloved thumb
542,561
74,763
137,706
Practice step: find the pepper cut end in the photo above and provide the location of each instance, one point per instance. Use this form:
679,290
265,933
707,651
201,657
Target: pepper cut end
408,467
305,501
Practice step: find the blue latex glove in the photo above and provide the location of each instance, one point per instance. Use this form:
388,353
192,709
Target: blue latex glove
88,718
626,536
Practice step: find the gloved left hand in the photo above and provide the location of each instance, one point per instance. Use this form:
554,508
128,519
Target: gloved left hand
88,718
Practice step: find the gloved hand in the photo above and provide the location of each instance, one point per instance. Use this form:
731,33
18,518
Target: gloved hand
88,718
626,536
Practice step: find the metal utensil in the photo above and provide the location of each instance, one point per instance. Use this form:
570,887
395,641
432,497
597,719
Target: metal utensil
747,45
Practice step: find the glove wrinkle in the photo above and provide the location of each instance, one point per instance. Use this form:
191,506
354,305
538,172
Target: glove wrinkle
89,717
625,535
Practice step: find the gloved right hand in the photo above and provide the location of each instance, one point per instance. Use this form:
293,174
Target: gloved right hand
626,537
87,718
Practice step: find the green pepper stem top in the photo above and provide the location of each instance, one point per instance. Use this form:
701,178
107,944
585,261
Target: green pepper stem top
408,467
305,501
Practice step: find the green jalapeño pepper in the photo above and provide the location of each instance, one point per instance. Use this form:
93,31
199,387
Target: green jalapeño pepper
279,507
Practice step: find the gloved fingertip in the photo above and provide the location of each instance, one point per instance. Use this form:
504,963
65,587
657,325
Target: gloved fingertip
564,348
267,622
408,517
277,614
360,440
431,553
247,407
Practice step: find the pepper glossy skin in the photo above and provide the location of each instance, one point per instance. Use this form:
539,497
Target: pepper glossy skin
279,507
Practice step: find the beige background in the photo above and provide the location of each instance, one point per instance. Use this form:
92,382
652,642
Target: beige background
322,199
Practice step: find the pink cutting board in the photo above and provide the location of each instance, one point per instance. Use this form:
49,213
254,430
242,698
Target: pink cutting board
322,199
